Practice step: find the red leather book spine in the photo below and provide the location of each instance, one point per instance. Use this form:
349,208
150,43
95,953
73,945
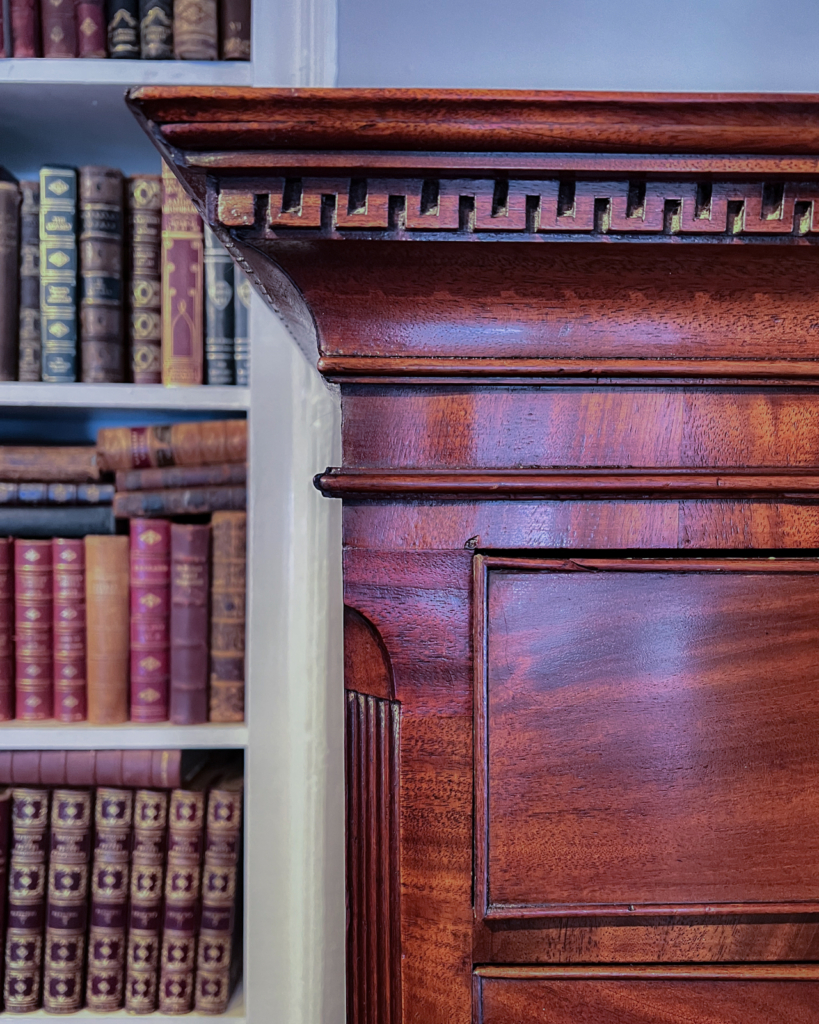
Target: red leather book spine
67,916
70,699
190,549
33,617
25,27
186,819
150,619
107,614
27,889
145,914
92,28
109,899
59,28
6,630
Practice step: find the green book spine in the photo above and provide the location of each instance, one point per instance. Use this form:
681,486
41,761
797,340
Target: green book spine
58,273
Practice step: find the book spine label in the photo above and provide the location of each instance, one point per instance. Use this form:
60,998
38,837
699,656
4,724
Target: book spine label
67,916
27,891
6,630
219,327
186,818
181,476
29,368
190,552
59,28
156,29
227,623
150,619
235,29
109,899
91,28
58,273
241,342
123,29
70,697
179,501
101,217
194,30
107,615
25,27
182,285
9,276
33,622
145,920
145,218
219,887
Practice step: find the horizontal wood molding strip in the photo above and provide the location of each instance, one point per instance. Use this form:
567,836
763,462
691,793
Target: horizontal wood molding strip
747,972
559,911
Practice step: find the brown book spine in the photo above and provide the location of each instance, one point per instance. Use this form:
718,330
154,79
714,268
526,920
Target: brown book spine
219,888
154,768
29,366
9,277
107,617
33,624
235,18
4,34
186,819
190,556
67,915
182,476
183,285
227,623
59,28
175,501
27,891
101,322
179,444
5,843
52,465
145,223
195,30
25,27
92,28
113,818
145,914
70,697
6,629
150,619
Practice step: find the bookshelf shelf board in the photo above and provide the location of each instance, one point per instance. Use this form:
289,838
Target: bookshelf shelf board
129,735
124,396
42,70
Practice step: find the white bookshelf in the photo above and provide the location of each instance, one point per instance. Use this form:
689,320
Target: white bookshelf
130,736
124,396
42,70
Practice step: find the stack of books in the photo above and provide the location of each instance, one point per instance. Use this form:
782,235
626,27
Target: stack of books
129,29
105,279
120,895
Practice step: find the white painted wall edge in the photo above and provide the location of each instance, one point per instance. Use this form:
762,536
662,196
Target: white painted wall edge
295,42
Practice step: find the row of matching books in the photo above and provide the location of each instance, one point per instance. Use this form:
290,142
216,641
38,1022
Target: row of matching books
105,279
127,29
123,896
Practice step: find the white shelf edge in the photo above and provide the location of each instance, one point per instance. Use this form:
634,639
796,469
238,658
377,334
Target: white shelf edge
127,396
81,71
128,736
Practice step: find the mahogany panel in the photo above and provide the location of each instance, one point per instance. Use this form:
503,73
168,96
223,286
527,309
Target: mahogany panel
366,662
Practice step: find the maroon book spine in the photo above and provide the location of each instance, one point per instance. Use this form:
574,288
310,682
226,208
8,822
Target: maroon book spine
59,28
6,630
160,769
145,913
92,28
68,559
150,619
33,623
5,842
25,27
190,585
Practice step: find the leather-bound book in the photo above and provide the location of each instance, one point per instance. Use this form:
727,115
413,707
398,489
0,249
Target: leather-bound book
101,320
25,27
63,464
59,264
145,222
33,625
28,874
181,476
107,617
9,276
158,768
6,629
235,29
179,501
67,913
59,27
195,30
190,585
113,816
145,912
5,844
4,34
241,342
123,29
46,522
214,978
183,280
227,622
178,444
156,29
29,365
218,311
70,696
150,619
92,28
186,819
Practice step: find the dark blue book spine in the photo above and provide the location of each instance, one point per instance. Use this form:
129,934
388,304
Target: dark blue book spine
59,266
218,311
241,341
